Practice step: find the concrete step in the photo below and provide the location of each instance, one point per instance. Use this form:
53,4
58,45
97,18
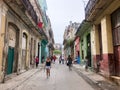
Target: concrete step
115,79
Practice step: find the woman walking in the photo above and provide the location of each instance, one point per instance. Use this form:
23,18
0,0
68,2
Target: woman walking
48,66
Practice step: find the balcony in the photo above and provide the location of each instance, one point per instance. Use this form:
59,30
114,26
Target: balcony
30,10
95,7
91,4
19,8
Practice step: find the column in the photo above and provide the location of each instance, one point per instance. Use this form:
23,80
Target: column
95,45
3,45
107,44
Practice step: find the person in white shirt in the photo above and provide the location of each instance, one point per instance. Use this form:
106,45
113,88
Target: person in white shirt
62,59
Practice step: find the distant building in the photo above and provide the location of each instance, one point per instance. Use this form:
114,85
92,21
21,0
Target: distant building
58,46
69,36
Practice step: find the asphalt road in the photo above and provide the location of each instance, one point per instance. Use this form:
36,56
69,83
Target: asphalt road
61,79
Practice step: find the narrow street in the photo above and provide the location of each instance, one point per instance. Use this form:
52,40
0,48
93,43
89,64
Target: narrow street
85,33
61,79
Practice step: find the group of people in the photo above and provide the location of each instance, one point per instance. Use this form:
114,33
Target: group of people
51,59
48,62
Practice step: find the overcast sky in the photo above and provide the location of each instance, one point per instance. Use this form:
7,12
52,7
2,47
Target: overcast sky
61,12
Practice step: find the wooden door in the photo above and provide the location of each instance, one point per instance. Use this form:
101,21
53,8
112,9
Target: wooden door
10,60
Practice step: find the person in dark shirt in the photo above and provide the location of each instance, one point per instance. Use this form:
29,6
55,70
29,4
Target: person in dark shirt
69,62
48,66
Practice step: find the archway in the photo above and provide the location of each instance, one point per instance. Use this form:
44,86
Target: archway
13,44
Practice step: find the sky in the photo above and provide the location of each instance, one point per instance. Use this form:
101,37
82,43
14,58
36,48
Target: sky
61,12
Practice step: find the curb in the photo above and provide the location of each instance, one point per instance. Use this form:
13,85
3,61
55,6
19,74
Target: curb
17,81
98,84
25,79
92,82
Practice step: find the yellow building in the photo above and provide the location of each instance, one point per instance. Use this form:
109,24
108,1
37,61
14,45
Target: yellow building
3,11
105,35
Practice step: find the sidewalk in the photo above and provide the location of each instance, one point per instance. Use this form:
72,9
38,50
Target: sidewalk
14,82
96,79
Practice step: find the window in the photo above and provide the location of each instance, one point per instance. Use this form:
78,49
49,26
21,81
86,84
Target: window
116,27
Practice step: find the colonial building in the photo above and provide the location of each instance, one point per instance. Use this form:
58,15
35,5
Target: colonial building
50,35
77,49
105,36
84,34
58,46
69,36
47,42
20,35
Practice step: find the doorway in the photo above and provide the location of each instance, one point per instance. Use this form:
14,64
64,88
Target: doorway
10,60
13,44
116,40
89,50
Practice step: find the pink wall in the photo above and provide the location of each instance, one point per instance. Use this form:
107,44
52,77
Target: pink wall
77,44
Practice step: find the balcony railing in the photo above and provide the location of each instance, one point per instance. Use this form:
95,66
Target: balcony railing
30,10
91,4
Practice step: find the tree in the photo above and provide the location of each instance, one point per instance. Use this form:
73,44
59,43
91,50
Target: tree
57,52
69,43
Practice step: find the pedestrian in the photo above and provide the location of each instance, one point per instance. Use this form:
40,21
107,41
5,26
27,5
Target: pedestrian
69,62
48,66
62,59
54,58
37,61
42,59
86,63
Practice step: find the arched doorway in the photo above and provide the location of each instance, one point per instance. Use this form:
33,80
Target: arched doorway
13,44
24,50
